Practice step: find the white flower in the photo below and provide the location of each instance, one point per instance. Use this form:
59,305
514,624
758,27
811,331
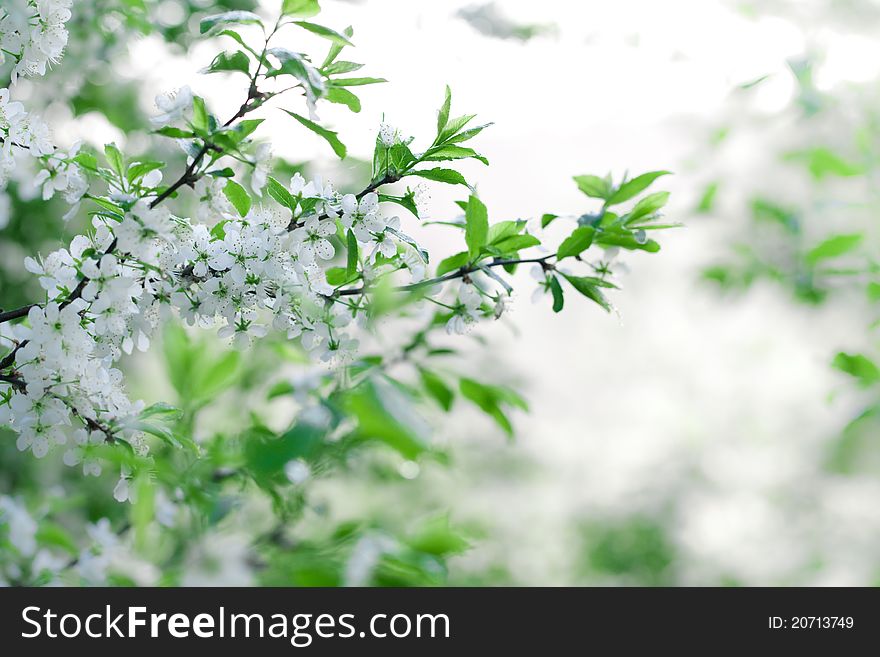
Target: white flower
537,273
172,107
21,526
389,135
414,262
312,238
383,242
362,217
297,471
467,310
122,490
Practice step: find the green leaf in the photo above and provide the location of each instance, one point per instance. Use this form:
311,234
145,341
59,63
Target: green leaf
175,133
300,8
504,229
593,186
452,152
635,186
352,262
438,538
200,115
465,135
823,162
833,247
330,136
238,197
213,377
143,507
237,37
490,400
280,193
86,160
137,170
344,97
237,61
449,176
407,201
548,219
589,287
452,263
161,411
437,388
297,65
384,413
558,296
476,230
625,240
453,126
267,454
336,48
228,18
647,206
356,82
54,535
338,276
576,243
115,159
339,68
858,366
515,243
443,114
325,32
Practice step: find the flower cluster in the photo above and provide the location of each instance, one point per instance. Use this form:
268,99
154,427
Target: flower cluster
26,558
35,35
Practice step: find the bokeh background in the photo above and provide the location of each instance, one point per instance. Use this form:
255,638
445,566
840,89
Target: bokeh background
699,435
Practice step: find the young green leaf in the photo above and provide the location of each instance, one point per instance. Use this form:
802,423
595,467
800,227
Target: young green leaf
558,297
228,18
175,133
647,206
237,195
443,114
858,366
357,82
593,186
338,68
449,176
833,247
237,61
300,8
576,243
548,219
452,152
344,97
635,187
437,388
329,135
504,229
324,32
490,400
452,263
352,260
200,115
115,159
589,287
476,230
279,192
